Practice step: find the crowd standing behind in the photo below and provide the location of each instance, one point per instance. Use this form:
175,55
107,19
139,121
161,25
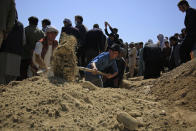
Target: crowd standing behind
24,51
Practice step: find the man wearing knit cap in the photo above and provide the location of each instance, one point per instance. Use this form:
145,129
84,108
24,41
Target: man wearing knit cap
43,51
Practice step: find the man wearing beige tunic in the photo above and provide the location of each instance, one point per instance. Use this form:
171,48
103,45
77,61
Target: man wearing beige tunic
132,59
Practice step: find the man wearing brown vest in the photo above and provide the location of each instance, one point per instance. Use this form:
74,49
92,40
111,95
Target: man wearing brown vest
43,51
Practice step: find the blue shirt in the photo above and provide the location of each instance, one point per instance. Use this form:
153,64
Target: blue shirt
103,61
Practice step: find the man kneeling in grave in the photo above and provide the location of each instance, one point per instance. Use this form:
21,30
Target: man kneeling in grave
101,62
43,52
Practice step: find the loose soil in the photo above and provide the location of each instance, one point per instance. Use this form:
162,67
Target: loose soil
41,103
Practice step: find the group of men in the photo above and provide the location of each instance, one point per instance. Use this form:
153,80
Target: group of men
23,51
93,46
168,53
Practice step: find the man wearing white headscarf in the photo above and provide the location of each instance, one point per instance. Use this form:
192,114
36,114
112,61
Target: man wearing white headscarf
149,42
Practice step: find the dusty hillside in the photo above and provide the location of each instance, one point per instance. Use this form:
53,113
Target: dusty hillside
176,91
178,86
39,103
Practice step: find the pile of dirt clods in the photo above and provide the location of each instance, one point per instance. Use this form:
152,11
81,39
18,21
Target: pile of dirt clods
41,103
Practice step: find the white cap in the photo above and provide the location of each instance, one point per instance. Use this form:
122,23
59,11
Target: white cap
51,29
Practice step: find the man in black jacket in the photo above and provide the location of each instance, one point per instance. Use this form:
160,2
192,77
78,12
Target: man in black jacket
153,61
95,43
69,29
80,48
190,23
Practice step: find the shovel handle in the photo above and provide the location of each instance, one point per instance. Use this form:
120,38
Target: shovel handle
91,70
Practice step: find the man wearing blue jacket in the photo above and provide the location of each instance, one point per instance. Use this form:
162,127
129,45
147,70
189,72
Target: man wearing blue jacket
101,62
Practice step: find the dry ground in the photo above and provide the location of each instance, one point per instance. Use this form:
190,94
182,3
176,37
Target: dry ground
39,103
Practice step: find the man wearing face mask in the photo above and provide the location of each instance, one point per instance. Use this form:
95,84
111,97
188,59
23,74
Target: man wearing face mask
45,23
82,32
69,30
190,22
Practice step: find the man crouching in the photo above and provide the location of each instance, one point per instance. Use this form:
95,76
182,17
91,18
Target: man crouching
101,62
43,52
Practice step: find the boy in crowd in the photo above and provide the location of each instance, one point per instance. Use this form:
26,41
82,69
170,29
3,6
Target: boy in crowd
45,23
101,62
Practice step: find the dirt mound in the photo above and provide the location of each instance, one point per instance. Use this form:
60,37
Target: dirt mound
53,104
178,86
41,103
64,61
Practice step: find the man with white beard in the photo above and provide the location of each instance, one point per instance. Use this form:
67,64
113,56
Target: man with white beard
43,51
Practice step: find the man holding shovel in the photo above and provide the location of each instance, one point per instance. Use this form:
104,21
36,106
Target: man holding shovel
101,62
43,51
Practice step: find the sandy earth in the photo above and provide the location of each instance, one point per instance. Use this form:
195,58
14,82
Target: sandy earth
39,103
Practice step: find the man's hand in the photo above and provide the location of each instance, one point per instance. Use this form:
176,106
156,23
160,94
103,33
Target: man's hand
50,42
43,66
93,65
106,23
40,61
109,76
94,71
5,34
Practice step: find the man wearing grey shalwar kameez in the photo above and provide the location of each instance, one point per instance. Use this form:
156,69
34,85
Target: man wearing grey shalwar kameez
10,54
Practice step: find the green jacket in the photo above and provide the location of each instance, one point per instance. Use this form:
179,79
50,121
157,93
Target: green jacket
7,15
33,35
